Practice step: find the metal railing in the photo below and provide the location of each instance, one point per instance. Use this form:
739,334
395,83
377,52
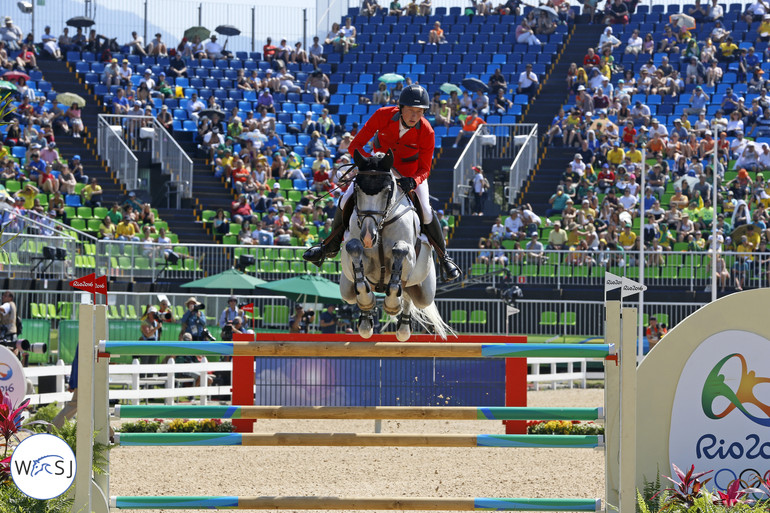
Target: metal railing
463,173
517,143
145,133
173,160
113,149
524,163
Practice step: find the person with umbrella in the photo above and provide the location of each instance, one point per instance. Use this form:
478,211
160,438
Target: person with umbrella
213,49
405,131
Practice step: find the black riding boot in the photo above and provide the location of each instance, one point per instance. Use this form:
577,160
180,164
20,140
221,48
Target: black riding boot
331,245
450,271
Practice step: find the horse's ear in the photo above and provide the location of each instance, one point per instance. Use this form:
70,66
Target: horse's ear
359,159
387,161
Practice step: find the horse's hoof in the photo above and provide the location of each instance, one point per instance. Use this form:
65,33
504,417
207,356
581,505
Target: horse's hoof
403,334
365,329
391,311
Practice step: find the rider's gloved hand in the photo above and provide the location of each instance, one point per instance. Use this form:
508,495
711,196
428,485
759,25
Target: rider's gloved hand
407,183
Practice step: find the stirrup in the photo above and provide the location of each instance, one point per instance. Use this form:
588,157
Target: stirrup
450,271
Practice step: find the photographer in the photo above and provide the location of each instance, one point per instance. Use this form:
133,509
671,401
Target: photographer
165,312
194,321
229,314
301,320
151,325
8,319
329,319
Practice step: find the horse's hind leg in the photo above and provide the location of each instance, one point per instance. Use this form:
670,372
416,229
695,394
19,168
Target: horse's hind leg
364,294
404,330
392,304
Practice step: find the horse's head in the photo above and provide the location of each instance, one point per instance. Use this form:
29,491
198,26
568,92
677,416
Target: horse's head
374,190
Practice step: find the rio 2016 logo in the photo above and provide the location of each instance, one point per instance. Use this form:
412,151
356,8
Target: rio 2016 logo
6,372
43,466
715,387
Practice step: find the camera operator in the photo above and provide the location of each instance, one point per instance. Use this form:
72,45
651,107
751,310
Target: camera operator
8,319
229,314
301,321
194,321
329,319
165,312
151,325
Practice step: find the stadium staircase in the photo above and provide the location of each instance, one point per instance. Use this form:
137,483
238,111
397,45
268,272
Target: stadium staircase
63,78
552,96
62,81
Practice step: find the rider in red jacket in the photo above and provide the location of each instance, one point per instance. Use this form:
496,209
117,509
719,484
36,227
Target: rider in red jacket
408,134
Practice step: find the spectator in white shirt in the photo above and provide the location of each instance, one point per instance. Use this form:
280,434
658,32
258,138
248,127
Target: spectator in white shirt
738,144
514,226
194,105
635,42
125,73
657,128
528,81
577,164
11,35
214,49
316,52
628,200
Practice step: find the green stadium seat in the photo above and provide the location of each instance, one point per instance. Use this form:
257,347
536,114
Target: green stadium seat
100,212
548,318
662,318
458,318
478,317
569,319
78,224
85,213
276,315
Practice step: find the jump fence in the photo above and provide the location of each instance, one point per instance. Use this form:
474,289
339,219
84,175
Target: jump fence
93,372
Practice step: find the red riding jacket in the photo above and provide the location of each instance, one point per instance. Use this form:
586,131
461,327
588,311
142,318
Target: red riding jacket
413,152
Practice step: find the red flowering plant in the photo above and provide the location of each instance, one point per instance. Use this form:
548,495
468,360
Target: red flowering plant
687,489
10,425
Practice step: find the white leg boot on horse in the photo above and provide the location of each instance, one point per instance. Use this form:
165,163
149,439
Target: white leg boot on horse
398,274
364,295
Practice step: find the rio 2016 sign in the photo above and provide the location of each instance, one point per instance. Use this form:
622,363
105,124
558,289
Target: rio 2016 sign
13,384
721,415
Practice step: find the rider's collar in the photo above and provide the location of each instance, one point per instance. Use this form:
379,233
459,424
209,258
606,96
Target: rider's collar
397,117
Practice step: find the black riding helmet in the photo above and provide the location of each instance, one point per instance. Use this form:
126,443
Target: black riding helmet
414,96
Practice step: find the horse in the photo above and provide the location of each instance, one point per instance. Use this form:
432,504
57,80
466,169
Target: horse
385,252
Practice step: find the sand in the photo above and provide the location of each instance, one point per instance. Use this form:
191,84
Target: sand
368,471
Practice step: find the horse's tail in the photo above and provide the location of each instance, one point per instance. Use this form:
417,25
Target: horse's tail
430,319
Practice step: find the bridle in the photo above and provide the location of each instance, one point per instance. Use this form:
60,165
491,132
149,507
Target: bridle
385,218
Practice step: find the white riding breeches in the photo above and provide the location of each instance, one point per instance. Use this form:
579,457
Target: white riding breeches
423,194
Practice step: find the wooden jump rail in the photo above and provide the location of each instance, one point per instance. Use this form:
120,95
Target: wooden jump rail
356,349
359,440
358,412
359,503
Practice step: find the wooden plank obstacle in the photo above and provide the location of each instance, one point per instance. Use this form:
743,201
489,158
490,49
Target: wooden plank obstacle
346,349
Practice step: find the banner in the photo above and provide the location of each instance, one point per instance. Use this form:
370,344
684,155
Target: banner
86,283
631,287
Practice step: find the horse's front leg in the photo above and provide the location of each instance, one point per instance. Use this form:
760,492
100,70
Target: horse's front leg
364,294
366,324
392,304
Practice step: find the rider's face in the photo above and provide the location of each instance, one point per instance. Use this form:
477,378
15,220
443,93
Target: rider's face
411,115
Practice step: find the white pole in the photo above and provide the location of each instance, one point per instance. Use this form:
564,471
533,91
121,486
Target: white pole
642,195
714,241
